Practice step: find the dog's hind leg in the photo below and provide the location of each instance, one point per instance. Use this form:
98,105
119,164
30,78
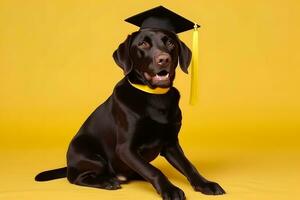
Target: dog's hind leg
92,179
87,168
92,173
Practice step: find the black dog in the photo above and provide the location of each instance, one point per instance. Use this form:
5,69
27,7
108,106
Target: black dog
132,127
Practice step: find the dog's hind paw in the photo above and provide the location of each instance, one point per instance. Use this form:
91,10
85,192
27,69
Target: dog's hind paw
103,182
110,184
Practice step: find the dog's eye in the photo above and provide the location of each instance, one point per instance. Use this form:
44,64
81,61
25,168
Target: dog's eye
144,44
170,44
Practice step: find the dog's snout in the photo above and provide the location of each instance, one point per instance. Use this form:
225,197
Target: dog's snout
163,60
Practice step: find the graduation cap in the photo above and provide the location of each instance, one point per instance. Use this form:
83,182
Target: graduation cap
162,18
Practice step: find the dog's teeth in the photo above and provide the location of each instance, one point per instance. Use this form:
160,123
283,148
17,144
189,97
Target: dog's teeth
160,78
166,76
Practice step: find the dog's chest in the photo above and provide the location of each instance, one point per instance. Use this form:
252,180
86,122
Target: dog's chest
159,109
151,139
151,150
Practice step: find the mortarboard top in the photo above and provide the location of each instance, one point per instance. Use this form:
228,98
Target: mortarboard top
161,18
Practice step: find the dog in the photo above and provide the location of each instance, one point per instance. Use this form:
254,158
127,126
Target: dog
132,127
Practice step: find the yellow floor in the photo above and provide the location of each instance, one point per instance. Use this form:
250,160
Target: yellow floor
243,174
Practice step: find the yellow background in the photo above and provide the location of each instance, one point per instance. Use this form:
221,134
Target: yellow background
56,67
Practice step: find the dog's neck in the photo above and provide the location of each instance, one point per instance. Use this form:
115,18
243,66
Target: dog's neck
147,89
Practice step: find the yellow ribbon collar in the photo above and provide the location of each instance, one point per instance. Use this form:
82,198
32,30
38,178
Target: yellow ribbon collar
147,89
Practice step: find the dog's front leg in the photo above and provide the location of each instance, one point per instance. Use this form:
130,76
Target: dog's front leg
162,185
174,154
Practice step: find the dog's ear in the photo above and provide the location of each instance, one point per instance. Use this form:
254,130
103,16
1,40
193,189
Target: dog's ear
122,55
185,56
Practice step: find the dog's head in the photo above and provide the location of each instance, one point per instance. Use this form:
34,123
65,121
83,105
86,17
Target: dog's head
150,56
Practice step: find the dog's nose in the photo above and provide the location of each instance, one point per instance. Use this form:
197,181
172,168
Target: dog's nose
163,60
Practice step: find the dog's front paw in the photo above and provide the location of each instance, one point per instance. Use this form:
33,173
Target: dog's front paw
172,193
209,188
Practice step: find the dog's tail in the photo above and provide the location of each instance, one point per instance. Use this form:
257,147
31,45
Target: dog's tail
52,174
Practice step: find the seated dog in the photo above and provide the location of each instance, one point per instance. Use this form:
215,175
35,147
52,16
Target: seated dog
132,127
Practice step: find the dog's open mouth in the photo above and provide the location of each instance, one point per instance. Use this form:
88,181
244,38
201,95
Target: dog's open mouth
161,79
161,76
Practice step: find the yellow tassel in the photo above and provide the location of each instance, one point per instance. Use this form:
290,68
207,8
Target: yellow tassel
195,69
